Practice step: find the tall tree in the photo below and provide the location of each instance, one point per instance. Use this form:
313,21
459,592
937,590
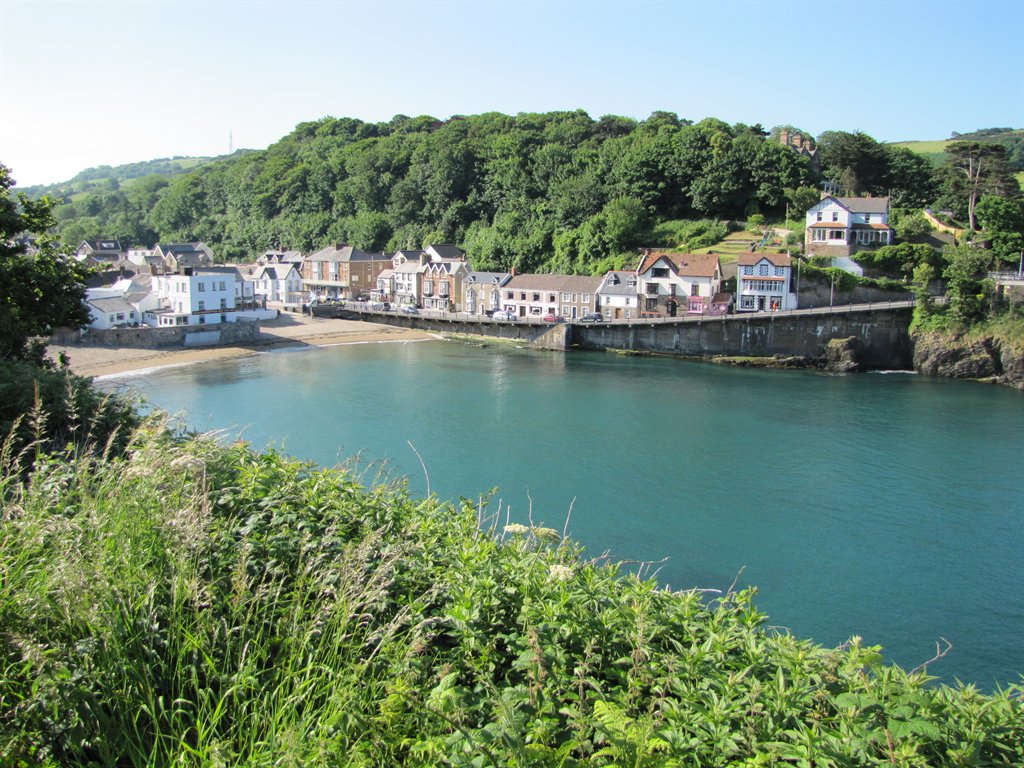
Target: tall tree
979,169
41,288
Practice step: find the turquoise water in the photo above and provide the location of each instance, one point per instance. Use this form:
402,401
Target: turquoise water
885,506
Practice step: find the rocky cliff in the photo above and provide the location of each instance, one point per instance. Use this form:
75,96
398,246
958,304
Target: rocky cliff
959,356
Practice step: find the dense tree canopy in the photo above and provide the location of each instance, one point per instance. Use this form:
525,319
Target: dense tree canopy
536,191
40,288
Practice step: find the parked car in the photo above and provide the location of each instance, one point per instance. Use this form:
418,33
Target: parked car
591,317
410,310
552,318
380,305
503,314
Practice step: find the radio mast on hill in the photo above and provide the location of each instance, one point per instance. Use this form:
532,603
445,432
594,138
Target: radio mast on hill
231,142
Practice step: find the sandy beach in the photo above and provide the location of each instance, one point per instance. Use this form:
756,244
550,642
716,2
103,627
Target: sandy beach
289,329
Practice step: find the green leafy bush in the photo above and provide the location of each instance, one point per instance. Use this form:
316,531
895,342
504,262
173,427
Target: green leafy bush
198,604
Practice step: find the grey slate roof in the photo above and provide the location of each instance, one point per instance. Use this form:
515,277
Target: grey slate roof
864,204
343,252
111,305
481,278
542,282
616,283
446,251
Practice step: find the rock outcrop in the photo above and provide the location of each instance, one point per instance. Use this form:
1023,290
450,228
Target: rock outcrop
956,356
841,355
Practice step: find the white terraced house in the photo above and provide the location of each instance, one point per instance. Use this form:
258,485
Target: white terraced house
763,282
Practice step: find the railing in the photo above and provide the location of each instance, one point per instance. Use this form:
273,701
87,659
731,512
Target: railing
1006,277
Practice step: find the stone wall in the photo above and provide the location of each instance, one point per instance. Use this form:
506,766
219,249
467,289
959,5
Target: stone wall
883,336
883,340
241,332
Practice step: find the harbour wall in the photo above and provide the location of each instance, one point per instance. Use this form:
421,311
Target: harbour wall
881,331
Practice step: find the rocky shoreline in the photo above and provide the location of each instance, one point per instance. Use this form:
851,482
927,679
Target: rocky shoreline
987,359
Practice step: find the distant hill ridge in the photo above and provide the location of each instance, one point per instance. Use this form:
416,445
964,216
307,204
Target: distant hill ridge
111,177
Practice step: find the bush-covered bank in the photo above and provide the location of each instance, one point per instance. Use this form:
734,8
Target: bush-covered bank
991,351
197,604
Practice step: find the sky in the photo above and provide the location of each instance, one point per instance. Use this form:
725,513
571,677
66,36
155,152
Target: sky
104,83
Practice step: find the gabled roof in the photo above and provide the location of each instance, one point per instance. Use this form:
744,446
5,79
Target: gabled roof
683,264
498,278
616,283
775,259
345,252
113,304
445,251
545,282
102,245
856,204
274,271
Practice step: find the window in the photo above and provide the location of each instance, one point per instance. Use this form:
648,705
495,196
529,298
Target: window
536,296
659,272
747,302
837,234
120,316
202,321
652,288
565,297
552,298
867,218
835,215
202,305
223,285
586,298
762,269
651,305
522,296
223,303
223,318
428,287
819,215
695,290
631,282
509,294
565,310
201,287
817,236
750,270
780,271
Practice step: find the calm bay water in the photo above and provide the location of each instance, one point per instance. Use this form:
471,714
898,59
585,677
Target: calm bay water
885,506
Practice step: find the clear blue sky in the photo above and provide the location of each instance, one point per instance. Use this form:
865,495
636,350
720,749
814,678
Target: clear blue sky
91,83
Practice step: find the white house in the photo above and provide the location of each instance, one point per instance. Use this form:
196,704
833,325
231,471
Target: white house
111,312
405,277
763,282
671,284
278,282
618,296
841,226
194,298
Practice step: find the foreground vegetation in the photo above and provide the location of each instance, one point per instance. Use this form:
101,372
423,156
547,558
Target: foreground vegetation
180,601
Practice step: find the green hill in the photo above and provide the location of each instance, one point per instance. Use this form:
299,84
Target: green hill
107,178
1011,138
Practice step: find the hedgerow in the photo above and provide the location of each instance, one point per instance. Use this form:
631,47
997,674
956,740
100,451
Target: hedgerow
194,603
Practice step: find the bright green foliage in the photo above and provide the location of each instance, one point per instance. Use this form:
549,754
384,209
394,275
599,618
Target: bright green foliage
965,274
41,289
193,604
898,260
1002,220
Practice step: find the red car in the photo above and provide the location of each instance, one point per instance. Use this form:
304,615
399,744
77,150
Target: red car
552,319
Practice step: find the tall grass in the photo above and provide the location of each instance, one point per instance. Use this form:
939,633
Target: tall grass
189,603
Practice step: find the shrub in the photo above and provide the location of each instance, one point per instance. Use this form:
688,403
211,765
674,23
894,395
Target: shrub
198,604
